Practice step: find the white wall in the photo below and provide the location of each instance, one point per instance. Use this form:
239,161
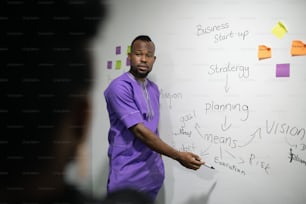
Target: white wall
253,166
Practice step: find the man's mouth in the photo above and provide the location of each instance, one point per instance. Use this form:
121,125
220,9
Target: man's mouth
143,67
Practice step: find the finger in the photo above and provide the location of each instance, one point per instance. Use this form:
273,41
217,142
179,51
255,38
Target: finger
198,161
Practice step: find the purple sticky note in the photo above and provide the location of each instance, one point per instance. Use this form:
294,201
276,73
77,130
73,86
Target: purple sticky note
283,70
118,50
109,64
128,62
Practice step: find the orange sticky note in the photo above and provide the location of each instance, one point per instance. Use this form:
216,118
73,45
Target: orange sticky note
264,52
298,48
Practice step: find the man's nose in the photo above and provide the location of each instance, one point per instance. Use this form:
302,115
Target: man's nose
143,58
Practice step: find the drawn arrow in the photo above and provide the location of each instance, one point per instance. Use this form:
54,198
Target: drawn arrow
239,160
257,132
291,145
226,87
224,125
197,126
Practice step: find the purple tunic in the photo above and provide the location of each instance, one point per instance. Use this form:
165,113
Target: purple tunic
131,163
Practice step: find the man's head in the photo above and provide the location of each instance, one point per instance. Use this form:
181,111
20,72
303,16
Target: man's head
45,80
142,56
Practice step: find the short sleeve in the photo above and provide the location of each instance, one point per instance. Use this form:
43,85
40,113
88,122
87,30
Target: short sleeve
120,99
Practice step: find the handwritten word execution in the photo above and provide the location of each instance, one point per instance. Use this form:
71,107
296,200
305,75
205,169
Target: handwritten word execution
242,70
228,107
229,166
221,36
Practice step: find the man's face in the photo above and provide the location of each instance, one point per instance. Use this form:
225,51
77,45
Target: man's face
142,58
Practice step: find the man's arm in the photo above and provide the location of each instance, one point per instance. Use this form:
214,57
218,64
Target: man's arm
187,159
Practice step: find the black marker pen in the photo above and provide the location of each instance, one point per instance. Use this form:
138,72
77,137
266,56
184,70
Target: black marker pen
208,165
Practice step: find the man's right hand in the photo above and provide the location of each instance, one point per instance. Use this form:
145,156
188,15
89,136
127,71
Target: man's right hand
190,160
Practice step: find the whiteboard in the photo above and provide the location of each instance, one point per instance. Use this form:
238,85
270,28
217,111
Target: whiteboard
243,115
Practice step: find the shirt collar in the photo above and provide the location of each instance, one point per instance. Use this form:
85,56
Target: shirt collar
139,82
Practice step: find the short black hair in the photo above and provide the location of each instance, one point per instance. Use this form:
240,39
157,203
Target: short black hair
145,38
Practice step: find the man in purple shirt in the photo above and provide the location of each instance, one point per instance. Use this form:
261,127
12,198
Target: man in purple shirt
135,147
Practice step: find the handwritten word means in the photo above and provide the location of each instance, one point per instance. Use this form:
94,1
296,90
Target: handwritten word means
215,139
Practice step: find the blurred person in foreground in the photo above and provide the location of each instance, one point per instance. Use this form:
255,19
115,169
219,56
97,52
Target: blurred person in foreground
45,82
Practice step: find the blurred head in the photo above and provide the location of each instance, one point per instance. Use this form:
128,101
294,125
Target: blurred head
142,56
127,196
45,80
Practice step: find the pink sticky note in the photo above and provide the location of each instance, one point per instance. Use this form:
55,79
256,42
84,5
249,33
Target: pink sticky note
118,50
283,70
128,63
109,64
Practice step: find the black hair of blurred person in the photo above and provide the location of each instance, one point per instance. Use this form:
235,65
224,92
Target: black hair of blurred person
45,80
128,196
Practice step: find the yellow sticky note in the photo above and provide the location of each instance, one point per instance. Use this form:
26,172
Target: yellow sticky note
279,30
264,52
128,49
298,48
118,64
